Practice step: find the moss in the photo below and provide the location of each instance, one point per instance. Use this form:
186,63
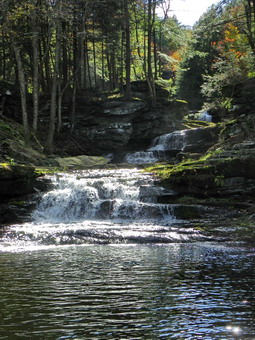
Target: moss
115,96
16,203
5,165
219,180
8,170
181,101
165,171
193,124
8,130
47,170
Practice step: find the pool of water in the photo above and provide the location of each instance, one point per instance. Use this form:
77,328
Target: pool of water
173,291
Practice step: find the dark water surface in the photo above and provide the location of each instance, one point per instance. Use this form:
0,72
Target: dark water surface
175,291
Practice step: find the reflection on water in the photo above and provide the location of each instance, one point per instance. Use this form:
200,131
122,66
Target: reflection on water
177,291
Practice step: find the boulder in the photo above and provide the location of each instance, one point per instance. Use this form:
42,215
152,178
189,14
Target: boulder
81,162
224,174
16,180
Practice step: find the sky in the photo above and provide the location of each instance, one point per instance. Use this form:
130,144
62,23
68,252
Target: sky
189,11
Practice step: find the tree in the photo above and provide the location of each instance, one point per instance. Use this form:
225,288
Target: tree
23,90
198,58
55,78
150,78
59,48
128,94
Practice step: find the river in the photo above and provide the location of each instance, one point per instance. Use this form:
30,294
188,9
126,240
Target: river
101,259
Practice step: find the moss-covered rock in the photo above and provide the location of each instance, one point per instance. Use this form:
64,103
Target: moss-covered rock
81,162
221,173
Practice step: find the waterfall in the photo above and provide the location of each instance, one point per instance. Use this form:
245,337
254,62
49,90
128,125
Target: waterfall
95,195
174,141
161,148
166,147
99,206
205,116
144,157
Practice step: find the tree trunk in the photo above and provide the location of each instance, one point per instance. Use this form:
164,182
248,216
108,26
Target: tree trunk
54,90
73,108
155,55
3,61
128,94
122,61
137,36
22,83
109,64
103,68
94,56
144,44
35,46
250,20
150,80
87,61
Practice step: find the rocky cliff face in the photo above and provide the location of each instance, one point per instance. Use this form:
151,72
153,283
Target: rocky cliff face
227,170
114,125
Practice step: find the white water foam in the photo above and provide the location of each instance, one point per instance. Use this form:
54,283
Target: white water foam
98,206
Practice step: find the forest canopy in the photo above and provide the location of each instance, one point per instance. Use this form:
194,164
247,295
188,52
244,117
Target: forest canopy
50,48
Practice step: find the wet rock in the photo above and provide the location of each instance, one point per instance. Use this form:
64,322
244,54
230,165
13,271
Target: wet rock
224,174
149,193
199,140
17,211
187,212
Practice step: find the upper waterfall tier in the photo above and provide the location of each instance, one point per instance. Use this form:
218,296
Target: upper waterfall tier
169,145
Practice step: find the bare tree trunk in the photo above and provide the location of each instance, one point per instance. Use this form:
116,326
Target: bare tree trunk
22,83
3,61
122,61
64,53
128,94
94,56
103,68
150,80
137,36
87,61
72,116
35,46
155,54
109,64
250,20
54,90
144,45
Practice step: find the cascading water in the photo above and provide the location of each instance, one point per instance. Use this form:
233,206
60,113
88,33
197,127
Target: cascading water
99,206
167,146
205,116
160,148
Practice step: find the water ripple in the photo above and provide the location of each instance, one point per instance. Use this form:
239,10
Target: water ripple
179,291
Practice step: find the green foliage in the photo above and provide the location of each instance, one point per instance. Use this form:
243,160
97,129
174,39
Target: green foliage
251,74
219,180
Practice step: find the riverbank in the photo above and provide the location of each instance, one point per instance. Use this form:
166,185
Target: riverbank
222,179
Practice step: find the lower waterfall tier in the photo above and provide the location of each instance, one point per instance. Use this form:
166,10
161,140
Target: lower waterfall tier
100,206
